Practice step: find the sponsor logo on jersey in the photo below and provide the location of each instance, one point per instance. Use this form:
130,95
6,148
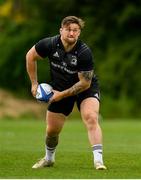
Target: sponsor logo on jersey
63,68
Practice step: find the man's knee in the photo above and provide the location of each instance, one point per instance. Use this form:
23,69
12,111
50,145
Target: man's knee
91,120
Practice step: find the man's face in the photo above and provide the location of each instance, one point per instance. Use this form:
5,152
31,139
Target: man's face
70,33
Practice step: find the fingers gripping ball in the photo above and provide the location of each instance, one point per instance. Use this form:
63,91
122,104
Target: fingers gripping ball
44,92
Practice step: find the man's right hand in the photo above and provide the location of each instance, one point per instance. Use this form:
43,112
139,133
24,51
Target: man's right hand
34,89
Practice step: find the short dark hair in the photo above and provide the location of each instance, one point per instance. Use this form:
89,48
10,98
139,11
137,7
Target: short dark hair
73,19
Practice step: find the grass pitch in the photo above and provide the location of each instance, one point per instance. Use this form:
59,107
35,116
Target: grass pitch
22,144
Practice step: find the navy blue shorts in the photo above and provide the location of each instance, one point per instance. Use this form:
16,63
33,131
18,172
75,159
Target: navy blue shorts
65,106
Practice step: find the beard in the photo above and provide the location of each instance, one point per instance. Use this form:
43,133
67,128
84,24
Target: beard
70,40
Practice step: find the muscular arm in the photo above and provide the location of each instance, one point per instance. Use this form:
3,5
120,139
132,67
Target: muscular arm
31,67
31,64
84,82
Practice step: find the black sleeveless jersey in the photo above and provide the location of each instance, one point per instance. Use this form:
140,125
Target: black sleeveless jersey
64,66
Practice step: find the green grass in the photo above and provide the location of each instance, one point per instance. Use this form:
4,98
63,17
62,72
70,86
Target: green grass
22,143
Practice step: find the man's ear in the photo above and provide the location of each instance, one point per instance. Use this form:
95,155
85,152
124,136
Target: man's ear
60,30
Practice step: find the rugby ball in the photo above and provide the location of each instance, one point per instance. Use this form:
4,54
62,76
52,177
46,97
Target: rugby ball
44,92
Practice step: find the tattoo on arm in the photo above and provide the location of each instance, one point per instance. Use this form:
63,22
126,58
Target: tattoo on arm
76,89
87,75
85,78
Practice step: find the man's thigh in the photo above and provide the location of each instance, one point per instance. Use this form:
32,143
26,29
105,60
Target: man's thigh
89,106
64,106
92,93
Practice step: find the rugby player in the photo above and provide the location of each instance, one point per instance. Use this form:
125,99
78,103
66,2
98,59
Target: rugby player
73,80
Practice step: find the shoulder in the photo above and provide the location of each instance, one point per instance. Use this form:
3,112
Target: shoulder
46,45
50,40
83,48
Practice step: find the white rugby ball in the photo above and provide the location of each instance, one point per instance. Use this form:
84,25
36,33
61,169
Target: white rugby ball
44,92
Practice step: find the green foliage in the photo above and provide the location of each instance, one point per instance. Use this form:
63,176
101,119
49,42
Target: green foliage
112,31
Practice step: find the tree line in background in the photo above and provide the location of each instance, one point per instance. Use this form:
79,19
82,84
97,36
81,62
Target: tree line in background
112,31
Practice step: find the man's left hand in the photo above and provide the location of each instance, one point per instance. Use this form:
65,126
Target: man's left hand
57,96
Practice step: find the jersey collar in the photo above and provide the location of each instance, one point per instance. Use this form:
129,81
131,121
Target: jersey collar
74,50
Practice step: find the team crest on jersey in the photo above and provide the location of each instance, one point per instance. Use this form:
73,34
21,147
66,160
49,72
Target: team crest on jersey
74,60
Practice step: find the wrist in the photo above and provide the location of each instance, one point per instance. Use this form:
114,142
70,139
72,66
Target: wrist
64,94
34,83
